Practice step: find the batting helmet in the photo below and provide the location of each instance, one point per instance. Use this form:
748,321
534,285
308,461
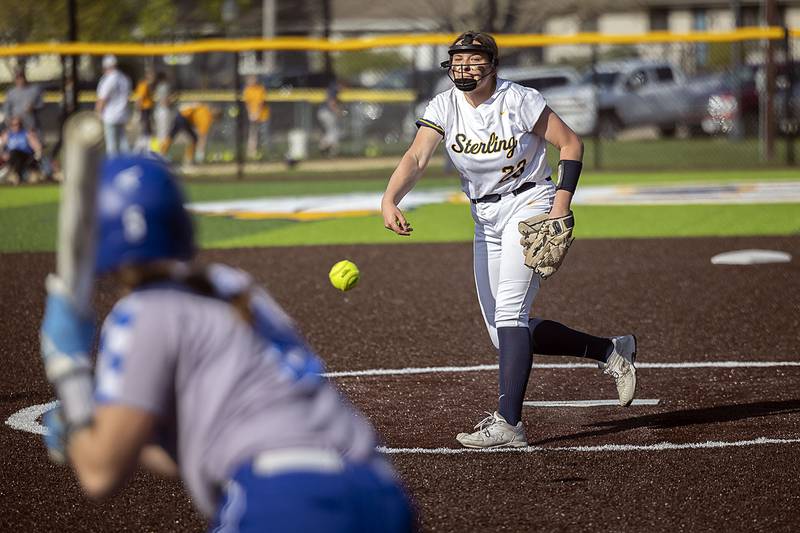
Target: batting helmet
140,214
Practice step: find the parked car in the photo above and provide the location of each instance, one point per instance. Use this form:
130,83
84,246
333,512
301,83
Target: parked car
574,103
737,98
635,93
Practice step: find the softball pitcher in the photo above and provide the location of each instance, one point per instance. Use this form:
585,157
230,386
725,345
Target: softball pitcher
495,133
200,373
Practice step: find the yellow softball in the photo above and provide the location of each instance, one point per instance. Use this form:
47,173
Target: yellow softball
344,275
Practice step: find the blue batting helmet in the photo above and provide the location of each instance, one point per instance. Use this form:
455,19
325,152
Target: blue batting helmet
140,214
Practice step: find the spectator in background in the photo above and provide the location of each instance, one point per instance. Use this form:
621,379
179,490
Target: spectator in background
21,152
113,93
24,100
194,120
255,100
329,115
143,97
164,110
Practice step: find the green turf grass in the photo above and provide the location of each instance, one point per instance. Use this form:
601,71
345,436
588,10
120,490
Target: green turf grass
645,154
376,181
448,222
679,154
28,215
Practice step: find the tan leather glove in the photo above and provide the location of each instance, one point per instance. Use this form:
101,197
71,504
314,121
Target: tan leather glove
546,241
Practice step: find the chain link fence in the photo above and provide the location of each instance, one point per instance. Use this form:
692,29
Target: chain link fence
693,104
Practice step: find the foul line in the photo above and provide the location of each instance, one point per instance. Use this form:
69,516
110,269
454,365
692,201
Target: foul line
26,419
481,368
661,446
586,403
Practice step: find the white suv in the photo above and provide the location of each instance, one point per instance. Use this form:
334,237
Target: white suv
574,103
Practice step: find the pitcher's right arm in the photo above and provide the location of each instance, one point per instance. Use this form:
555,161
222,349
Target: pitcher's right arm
405,176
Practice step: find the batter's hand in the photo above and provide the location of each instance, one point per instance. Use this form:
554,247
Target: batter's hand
394,220
66,336
56,437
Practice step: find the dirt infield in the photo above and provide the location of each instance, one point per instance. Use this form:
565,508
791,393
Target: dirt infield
731,431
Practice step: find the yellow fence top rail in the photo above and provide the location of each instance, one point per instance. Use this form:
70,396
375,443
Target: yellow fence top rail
314,96
385,41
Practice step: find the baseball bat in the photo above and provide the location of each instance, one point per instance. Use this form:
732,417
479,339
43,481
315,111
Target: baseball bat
83,152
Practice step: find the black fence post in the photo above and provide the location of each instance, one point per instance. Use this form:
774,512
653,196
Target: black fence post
790,120
598,160
73,37
237,87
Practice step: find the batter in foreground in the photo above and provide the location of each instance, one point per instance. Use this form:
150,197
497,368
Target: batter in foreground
200,374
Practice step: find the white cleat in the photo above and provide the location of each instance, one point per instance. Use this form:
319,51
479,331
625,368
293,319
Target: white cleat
621,367
494,432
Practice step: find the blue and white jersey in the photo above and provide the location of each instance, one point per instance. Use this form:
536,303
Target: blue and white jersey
18,140
223,390
492,146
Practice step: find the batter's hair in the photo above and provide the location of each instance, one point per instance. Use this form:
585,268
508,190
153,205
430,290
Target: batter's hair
485,43
193,275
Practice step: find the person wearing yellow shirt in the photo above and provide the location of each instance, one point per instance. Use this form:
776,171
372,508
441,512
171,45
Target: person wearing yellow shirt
144,101
194,119
255,100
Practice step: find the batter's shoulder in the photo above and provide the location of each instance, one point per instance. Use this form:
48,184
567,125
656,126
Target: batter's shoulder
124,313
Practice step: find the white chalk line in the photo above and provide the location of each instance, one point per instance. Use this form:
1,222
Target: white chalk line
587,403
482,368
661,446
27,419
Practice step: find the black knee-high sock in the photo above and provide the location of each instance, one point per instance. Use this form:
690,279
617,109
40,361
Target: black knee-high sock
516,357
552,338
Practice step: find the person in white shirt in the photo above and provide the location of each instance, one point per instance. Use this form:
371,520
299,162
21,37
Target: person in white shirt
495,132
113,94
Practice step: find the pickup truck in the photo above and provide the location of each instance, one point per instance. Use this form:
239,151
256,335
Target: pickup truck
636,93
575,104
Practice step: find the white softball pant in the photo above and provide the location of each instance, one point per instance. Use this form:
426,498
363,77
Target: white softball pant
506,287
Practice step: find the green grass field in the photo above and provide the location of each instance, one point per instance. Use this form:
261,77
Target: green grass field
28,215
295,183
631,154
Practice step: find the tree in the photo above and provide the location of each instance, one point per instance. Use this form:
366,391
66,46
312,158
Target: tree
46,20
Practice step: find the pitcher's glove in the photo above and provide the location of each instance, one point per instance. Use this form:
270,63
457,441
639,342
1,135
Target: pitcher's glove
545,242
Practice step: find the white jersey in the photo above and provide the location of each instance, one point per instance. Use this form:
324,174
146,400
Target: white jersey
115,88
492,146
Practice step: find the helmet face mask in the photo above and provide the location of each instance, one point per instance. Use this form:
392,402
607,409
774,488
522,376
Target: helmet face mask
463,74
461,69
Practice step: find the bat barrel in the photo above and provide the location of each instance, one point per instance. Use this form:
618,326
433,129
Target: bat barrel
83,152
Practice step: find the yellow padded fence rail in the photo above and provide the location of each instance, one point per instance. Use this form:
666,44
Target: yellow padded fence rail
314,96
387,41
